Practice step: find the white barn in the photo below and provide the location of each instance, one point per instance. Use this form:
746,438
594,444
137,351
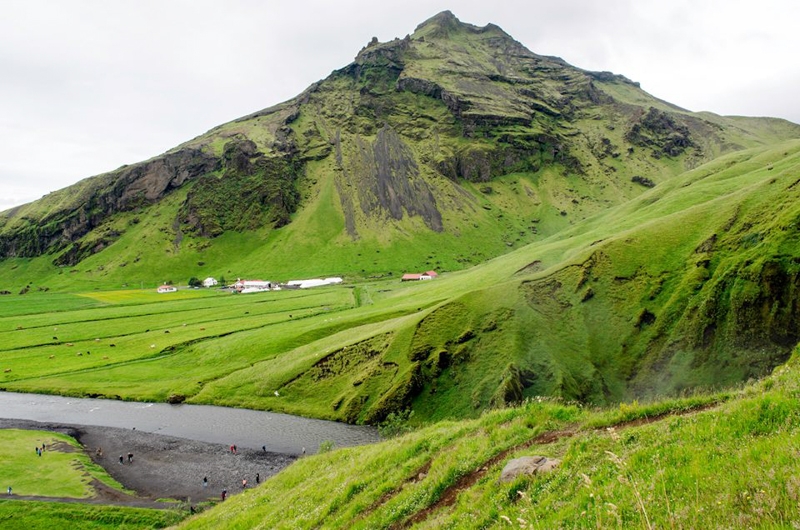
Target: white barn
252,286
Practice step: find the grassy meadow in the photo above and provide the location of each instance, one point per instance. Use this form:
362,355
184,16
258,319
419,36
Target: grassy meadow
33,515
61,471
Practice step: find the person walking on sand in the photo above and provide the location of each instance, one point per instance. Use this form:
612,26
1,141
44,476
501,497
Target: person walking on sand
205,482
121,460
224,494
130,457
258,478
244,483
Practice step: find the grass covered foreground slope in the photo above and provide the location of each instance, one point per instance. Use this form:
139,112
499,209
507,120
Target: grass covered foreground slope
715,460
694,284
440,150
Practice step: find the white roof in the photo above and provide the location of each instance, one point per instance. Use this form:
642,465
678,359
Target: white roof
314,282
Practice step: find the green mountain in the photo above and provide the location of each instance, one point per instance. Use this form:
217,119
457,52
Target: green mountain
636,248
440,150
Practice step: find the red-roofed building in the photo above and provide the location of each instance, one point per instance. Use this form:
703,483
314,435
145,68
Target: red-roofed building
412,277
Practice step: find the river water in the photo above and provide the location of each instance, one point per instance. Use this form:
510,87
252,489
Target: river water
280,433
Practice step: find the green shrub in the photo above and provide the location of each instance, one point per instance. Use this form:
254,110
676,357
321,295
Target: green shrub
396,423
326,446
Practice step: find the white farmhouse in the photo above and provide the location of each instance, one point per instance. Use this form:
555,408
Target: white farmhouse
252,286
210,282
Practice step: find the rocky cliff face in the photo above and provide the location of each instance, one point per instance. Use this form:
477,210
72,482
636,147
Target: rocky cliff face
25,234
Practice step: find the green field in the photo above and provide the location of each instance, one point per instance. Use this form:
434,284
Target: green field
32,515
61,471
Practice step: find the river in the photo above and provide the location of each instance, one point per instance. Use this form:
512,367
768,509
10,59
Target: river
280,433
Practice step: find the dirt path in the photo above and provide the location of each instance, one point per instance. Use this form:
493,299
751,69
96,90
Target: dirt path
162,467
450,494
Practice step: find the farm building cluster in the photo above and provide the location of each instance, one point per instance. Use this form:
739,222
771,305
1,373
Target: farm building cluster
258,286
414,277
255,286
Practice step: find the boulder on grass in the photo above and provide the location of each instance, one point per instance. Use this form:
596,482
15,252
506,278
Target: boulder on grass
528,465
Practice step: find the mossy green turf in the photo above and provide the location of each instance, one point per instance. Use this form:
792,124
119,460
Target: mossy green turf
31,515
715,460
57,473
683,287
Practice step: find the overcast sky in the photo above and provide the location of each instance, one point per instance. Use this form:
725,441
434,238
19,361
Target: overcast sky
89,85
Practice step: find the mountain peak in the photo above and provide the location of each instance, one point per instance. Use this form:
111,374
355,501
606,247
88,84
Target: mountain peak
445,25
442,25
443,19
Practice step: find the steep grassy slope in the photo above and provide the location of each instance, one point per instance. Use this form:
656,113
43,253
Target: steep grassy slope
693,284
440,150
710,461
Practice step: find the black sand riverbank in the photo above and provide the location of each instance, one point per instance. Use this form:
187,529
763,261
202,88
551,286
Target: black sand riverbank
165,466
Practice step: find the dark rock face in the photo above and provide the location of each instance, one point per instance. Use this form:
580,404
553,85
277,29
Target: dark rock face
128,188
661,132
151,180
420,86
644,181
755,309
385,178
252,191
